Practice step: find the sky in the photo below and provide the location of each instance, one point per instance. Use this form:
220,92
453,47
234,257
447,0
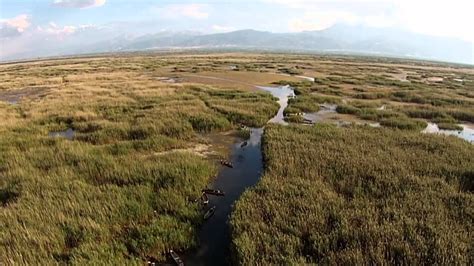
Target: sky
24,23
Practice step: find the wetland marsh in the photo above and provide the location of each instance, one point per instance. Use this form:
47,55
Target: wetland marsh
102,158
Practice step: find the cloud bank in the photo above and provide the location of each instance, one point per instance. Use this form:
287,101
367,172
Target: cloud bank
442,18
78,3
176,11
14,26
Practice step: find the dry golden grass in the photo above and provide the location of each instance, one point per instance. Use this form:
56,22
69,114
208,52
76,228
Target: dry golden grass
244,80
91,199
121,188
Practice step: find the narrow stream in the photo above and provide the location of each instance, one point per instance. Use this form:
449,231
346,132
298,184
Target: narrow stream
246,156
214,235
282,93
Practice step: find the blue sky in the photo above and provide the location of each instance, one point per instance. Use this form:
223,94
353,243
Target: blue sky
27,22
432,17
204,16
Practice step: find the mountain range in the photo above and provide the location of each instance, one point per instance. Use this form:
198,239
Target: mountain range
339,38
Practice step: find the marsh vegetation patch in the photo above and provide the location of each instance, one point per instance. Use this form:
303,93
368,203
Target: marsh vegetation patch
357,195
122,190
107,169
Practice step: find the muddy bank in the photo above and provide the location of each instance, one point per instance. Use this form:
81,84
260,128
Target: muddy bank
15,96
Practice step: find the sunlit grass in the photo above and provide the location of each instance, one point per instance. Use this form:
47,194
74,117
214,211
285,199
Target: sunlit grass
357,195
113,193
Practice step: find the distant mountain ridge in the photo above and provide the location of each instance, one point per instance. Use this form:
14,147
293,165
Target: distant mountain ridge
342,38
338,38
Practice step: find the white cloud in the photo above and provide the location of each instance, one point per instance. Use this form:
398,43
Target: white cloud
54,29
62,31
174,11
14,26
320,20
79,3
316,3
221,28
445,18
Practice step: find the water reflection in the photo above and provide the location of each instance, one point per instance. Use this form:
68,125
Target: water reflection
467,133
68,134
282,93
214,235
320,115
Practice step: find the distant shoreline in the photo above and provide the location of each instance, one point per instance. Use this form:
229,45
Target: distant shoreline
194,51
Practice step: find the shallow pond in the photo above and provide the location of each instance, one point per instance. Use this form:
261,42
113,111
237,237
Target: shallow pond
467,133
321,115
325,114
68,134
15,96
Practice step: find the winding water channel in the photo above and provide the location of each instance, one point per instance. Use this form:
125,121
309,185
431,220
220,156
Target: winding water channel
214,235
246,156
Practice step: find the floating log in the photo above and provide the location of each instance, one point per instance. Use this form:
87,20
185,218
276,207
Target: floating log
209,213
214,192
176,258
152,261
227,163
204,198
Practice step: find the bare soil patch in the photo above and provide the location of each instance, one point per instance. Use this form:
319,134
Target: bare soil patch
14,96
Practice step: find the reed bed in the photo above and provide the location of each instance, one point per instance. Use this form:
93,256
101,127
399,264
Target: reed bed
357,195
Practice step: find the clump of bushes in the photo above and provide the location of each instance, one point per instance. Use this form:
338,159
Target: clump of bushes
347,109
302,104
209,122
291,71
244,133
9,193
294,119
449,126
403,123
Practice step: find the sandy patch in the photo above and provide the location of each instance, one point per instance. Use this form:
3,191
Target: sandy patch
243,79
434,79
202,150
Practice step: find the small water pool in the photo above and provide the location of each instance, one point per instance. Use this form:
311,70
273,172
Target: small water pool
467,133
67,134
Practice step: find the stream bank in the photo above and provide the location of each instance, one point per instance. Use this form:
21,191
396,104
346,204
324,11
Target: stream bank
246,157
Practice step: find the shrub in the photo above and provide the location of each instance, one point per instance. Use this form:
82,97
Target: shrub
347,109
449,126
209,122
403,123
